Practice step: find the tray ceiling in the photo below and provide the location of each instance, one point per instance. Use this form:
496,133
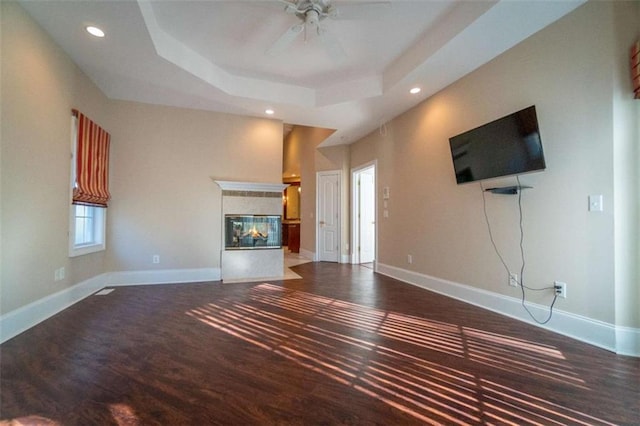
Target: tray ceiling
212,55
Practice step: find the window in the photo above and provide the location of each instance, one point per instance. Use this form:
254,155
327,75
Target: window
89,186
87,229
85,226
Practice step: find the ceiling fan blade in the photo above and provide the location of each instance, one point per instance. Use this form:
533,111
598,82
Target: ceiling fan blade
359,10
332,45
285,40
289,6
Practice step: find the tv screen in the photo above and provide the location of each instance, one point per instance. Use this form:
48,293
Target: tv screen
510,145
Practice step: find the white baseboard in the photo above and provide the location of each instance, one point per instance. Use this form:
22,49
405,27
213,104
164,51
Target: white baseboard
622,340
22,319
25,317
308,254
342,258
628,341
163,276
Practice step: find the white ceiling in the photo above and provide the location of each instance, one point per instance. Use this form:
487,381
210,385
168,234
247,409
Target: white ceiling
211,55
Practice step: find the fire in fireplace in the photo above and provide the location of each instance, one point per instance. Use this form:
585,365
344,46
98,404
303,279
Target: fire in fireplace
252,232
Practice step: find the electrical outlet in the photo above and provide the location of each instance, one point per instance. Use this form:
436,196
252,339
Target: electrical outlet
409,259
58,274
595,203
513,280
156,258
560,289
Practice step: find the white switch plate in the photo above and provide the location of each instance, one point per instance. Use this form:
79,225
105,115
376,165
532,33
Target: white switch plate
59,274
595,203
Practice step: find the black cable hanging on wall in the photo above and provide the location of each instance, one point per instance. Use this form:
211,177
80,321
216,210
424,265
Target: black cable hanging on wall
522,255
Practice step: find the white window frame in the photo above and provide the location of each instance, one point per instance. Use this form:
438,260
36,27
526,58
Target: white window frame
99,213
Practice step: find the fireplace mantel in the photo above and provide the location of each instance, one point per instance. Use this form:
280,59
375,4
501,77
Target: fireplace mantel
227,185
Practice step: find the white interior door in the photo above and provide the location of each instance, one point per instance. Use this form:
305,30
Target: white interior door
367,216
328,230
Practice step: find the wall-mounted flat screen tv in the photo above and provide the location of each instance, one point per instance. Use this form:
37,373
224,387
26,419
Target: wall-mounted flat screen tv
510,145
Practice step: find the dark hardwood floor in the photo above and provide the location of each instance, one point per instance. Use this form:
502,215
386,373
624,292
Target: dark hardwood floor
340,346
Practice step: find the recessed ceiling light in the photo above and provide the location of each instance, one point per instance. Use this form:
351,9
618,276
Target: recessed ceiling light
269,111
95,31
414,90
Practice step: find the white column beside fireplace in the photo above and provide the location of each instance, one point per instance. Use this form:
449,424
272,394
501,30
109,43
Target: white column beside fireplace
250,198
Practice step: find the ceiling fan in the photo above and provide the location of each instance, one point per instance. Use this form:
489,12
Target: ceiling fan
311,13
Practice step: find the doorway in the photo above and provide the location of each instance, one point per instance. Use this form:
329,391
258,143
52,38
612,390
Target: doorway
364,224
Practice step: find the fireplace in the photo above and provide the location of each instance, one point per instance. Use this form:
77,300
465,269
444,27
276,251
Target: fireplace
251,231
248,232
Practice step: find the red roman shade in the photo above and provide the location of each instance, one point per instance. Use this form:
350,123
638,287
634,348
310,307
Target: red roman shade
635,68
91,183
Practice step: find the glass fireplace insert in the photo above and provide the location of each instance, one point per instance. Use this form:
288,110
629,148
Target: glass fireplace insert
248,232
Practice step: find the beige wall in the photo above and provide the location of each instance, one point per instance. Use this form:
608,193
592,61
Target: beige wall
164,200
626,147
291,157
567,71
40,86
162,161
304,141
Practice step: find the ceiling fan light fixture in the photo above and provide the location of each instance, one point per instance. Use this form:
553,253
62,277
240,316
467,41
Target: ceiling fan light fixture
94,31
415,90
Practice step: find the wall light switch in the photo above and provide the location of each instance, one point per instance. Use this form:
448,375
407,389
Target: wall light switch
595,203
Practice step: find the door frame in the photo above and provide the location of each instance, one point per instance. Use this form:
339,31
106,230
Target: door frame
355,229
339,212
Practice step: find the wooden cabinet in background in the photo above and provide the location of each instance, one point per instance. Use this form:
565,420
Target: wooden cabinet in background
291,236
285,234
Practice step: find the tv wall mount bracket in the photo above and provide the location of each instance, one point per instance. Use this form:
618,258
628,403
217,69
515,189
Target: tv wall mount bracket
507,190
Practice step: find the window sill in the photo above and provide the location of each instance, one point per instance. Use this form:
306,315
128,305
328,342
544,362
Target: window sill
86,249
